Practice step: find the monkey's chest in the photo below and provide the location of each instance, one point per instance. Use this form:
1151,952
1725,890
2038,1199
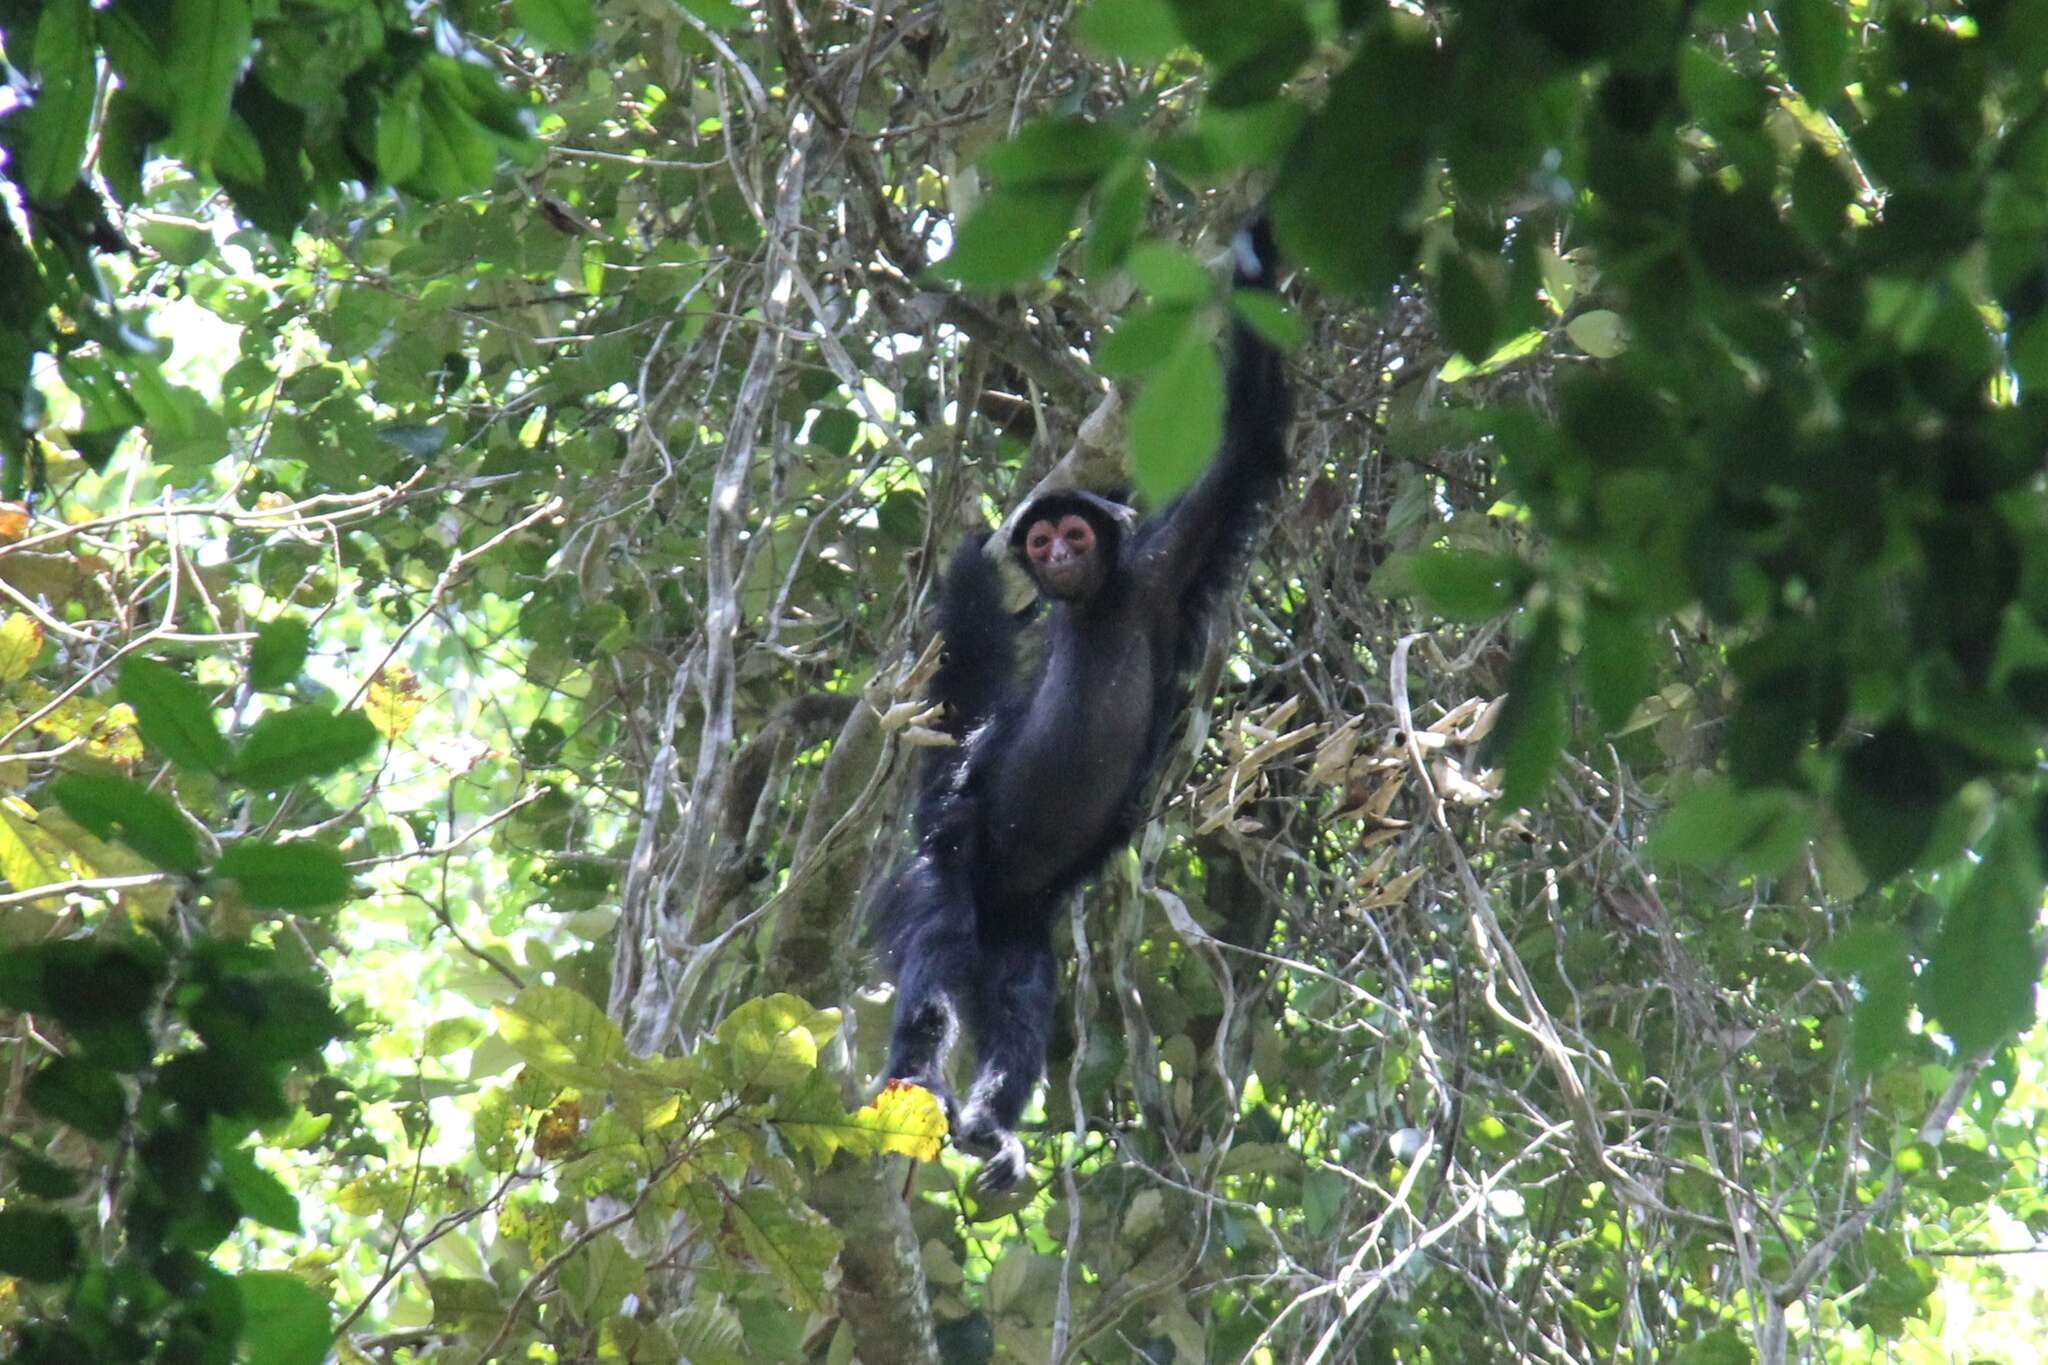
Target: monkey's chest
1073,764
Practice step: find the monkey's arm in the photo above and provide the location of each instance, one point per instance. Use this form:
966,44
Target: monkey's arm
976,670
1196,547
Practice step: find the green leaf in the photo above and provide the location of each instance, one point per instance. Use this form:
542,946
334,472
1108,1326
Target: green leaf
1267,314
1177,422
836,430
901,517
279,652
1617,663
37,1245
562,1033
596,1279
1118,212
1055,153
1168,274
1251,45
1531,731
43,1179
87,1097
421,440
1140,31
1466,585
1373,130
115,808
1600,334
457,152
259,1194
718,14
902,1118
1816,41
174,715
179,241
1722,1346
1890,796
773,1042
1720,828
1821,196
1466,307
209,42
61,116
285,1321
558,25
1142,341
1876,956
292,746
1980,978
793,1244
296,876
1012,237
401,145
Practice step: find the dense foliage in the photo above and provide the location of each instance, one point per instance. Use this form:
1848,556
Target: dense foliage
473,477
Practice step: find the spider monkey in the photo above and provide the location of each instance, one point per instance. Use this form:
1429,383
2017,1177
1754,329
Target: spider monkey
1049,774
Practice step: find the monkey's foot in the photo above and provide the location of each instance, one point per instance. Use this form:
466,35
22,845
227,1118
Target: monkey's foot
1002,1154
1001,1172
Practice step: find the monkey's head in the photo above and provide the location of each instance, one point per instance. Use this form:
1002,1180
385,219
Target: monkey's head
1068,542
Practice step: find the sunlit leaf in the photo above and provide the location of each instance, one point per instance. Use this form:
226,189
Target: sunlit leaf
561,1031
259,1194
61,116
209,43
21,640
1600,334
774,1041
393,700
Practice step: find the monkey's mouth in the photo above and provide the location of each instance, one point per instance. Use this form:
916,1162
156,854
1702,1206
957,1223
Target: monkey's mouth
1065,579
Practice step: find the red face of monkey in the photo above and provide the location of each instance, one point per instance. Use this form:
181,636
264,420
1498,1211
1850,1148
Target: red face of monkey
1063,556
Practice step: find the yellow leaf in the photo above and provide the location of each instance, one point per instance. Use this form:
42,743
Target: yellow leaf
21,639
29,857
907,1118
394,700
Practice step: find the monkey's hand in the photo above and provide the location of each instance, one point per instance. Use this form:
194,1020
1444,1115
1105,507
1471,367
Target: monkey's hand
1255,259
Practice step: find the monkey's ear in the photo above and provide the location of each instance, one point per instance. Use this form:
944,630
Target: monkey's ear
1254,256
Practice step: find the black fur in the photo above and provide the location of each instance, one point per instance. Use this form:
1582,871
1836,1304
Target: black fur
1050,775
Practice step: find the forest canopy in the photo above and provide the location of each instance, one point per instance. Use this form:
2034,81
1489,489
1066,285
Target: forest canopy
473,481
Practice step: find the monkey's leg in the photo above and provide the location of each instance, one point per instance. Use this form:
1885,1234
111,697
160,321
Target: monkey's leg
1012,1017
937,957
